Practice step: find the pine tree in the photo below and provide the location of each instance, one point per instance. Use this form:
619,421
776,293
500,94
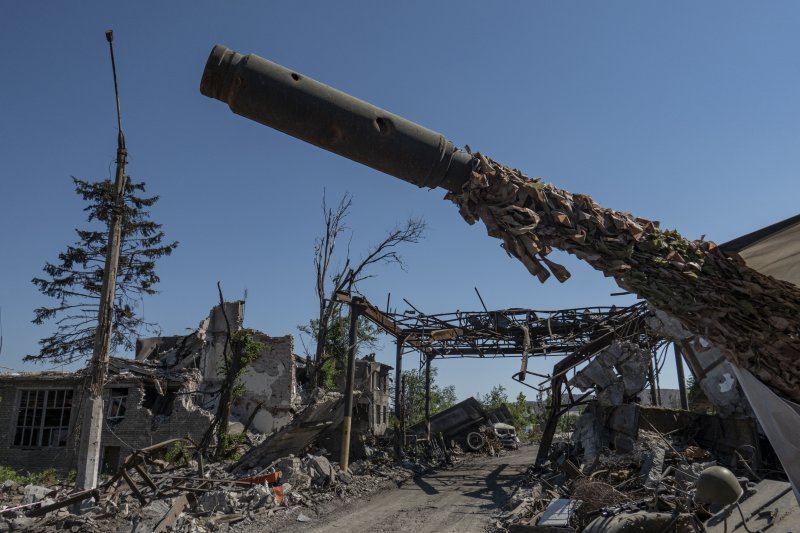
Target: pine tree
76,280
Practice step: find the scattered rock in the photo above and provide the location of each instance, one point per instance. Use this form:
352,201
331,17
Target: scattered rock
322,467
151,515
211,502
20,523
293,472
35,493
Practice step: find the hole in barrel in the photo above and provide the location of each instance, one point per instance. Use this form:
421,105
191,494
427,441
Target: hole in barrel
383,125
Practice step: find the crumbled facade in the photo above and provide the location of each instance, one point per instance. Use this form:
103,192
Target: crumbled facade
143,405
270,393
169,390
372,405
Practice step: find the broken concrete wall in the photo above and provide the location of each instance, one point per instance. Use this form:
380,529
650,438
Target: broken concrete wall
617,373
216,331
270,382
153,414
717,379
271,379
602,426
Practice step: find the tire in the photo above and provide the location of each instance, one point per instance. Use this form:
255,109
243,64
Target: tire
475,441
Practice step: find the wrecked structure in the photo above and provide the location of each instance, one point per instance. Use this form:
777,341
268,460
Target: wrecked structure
737,328
719,300
269,383
170,390
144,404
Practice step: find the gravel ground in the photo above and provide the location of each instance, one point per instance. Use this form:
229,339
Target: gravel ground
459,499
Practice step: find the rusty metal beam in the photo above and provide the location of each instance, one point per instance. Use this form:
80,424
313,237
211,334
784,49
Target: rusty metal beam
382,320
550,427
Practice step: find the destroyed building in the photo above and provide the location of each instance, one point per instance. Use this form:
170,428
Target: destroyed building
371,409
269,383
168,391
144,404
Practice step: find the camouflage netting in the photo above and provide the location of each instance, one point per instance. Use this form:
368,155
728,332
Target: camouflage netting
754,318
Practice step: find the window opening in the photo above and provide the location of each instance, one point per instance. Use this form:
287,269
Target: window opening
43,417
117,404
156,403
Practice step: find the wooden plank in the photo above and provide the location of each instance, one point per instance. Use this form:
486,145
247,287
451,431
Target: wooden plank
179,505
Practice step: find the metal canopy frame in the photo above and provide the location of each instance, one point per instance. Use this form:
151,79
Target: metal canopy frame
574,334
501,333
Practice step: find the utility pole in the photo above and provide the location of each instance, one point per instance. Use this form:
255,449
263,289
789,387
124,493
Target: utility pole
402,414
352,346
428,396
92,425
398,394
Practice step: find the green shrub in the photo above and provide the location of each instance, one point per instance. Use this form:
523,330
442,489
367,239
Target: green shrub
230,445
45,477
178,454
6,472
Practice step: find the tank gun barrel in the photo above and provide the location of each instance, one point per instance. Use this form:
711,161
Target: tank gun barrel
299,106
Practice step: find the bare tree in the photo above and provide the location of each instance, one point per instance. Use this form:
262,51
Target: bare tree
330,279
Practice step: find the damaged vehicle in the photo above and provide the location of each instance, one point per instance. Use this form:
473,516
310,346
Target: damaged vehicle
507,435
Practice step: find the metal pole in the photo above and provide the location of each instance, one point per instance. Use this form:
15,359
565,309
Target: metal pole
657,377
428,396
551,425
651,374
398,373
681,377
89,453
344,459
403,412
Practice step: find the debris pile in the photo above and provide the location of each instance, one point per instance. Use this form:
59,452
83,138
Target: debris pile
149,494
627,465
752,317
612,474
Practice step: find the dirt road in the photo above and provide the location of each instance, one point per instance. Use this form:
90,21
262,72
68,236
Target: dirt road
460,499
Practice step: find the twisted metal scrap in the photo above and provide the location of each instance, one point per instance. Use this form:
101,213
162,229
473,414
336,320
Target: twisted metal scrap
753,318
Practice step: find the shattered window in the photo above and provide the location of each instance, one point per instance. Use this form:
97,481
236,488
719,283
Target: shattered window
157,402
384,414
43,417
117,404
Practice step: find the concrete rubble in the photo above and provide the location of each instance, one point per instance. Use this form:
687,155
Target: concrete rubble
631,467
295,487
651,486
286,475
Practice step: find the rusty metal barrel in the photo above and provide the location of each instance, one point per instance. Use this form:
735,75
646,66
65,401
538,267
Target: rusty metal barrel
304,108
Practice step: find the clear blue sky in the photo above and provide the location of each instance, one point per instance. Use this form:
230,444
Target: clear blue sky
683,112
